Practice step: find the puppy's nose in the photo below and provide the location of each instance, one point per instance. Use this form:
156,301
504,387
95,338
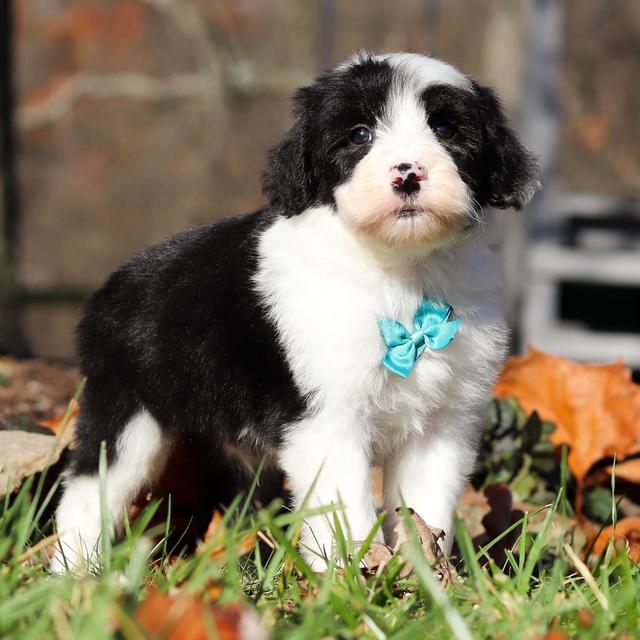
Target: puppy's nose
406,176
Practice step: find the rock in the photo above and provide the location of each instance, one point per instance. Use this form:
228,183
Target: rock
22,454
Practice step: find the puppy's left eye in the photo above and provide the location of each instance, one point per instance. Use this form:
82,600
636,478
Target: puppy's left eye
444,130
360,135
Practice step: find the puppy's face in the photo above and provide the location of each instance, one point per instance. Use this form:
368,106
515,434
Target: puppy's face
404,148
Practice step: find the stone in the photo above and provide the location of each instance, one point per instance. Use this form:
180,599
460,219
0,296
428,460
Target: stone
22,454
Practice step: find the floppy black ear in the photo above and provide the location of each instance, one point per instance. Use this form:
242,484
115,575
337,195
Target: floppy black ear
512,174
288,180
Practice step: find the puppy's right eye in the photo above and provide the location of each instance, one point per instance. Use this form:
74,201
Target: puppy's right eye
360,135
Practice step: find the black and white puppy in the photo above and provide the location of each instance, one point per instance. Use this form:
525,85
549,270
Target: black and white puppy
263,332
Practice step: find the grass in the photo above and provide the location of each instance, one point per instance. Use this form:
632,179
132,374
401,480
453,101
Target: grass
543,586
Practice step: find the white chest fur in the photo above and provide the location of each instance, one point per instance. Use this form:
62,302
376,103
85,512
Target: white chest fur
325,290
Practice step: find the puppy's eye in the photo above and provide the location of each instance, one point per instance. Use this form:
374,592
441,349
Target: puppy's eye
360,135
444,130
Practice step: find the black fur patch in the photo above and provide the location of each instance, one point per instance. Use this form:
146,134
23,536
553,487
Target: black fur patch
316,156
457,107
490,159
180,331
510,174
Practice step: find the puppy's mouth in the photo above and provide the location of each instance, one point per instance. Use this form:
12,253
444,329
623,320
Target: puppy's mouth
410,212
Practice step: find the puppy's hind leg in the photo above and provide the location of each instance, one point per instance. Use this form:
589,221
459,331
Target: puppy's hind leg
136,455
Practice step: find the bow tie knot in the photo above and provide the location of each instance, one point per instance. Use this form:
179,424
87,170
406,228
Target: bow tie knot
433,329
418,338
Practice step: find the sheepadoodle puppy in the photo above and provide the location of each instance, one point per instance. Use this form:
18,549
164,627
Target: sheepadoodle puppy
354,320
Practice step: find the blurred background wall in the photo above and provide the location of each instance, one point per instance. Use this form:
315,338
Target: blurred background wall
123,121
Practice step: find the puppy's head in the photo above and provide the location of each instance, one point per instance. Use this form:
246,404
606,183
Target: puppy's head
404,147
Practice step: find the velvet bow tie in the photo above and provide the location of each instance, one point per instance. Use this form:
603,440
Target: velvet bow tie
433,329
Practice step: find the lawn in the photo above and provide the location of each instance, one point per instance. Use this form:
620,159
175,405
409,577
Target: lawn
537,569
141,586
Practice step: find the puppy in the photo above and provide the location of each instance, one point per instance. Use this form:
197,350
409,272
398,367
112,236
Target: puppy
354,320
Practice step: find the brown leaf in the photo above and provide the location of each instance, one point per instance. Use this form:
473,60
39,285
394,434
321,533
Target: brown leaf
376,557
586,617
499,518
628,470
215,591
214,531
596,408
487,515
185,617
57,423
214,527
430,538
472,508
626,531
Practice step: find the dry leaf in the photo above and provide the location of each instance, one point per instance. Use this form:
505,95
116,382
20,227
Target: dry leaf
214,530
627,531
430,540
379,554
376,557
500,517
55,424
486,515
214,527
596,408
628,470
586,617
184,617
215,591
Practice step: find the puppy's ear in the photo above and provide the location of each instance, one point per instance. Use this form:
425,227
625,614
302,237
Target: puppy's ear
288,180
512,174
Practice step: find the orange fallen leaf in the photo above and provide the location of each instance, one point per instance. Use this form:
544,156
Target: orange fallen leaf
185,617
595,408
55,424
628,470
215,531
626,531
215,591
586,618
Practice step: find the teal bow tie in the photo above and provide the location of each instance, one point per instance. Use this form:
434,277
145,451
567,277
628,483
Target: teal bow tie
433,330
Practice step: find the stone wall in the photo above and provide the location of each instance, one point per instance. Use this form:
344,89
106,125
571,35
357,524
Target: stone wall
139,118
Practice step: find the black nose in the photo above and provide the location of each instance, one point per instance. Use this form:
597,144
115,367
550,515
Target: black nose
409,186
